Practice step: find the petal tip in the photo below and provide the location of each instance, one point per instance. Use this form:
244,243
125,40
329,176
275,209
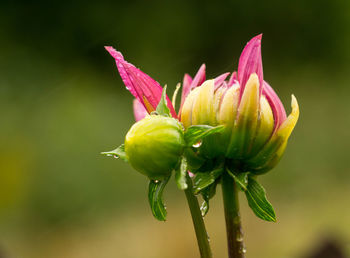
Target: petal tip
295,106
114,53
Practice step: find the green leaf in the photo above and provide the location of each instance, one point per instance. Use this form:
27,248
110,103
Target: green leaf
155,198
180,175
241,179
195,133
207,193
257,201
118,153
162,108
203,180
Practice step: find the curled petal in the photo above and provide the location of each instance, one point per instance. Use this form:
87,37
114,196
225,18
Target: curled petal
288,125
197,81
139,110
142,86
250,62
273,150
279,113
186,87
220,79
233,79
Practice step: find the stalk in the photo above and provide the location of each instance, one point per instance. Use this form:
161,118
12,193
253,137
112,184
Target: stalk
234,232
198,223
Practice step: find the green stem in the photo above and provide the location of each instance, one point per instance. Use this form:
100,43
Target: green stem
198,223
233,220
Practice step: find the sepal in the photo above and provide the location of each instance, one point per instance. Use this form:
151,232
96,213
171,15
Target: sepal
195,133
162,107
117,153
181,174
258,202
208,193
241,179
155,198
203,180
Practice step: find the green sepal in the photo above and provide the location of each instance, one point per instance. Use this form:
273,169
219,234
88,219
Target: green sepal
194,161
118,153
162,108
155,198
241,179
195,133
180,174
207,193
203,180
258,202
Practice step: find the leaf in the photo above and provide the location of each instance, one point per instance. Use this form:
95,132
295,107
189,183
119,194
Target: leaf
203,180
118,153
257,201
180,175
195,133
162,108
207,193
155,198
241,179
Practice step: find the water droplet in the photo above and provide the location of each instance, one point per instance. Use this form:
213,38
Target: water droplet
156,181
239,235
197,145
109,155
242,249
115,156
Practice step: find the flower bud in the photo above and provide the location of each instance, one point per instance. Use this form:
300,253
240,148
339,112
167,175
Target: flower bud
252,140
154,146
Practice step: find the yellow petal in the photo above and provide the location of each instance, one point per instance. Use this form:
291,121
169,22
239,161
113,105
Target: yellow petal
186,110
228,107
203,107
274,149
265,126
247,120
288,125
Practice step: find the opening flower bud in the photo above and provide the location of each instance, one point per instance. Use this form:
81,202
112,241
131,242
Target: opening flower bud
154,146
252,140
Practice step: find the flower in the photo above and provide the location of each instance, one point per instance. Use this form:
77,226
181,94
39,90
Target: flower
257,127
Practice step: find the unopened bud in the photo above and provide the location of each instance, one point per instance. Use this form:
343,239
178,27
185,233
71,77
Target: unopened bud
154,146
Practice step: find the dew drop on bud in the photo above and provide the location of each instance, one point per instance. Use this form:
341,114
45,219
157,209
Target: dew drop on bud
156,181
115,156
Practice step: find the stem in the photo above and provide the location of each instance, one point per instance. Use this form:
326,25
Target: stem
234,232
198,223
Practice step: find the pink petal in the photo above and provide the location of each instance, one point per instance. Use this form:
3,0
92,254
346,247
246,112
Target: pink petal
276,105
139,110
186,87
197,81
142,86
220,79
250,62
199,78
233,79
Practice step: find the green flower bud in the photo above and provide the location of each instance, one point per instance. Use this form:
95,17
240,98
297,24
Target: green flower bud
154,146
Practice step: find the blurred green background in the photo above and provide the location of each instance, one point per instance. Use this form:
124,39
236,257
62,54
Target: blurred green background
62,102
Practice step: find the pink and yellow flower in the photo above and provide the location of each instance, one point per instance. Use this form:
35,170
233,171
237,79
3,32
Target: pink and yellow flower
257,127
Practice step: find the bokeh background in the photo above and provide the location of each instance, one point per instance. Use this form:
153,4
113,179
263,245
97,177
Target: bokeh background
62,102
